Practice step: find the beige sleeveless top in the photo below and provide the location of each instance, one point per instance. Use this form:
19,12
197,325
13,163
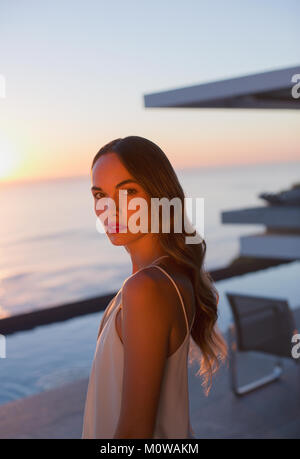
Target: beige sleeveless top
103,399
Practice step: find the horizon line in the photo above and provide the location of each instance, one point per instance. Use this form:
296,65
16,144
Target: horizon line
4,182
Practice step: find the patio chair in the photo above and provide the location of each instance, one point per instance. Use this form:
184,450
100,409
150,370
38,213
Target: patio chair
263,325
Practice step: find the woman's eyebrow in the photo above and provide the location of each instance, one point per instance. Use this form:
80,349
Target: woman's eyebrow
117,186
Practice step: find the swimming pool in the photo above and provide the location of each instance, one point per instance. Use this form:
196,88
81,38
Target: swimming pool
48,356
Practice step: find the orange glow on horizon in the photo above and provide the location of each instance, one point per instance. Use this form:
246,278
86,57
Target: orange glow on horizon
9,160
44,157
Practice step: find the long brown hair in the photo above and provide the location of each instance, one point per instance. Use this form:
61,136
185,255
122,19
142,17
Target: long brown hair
149,165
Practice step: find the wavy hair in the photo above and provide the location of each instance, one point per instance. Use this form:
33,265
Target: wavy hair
149,165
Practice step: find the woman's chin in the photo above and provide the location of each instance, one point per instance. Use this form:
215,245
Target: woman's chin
123,238
118,238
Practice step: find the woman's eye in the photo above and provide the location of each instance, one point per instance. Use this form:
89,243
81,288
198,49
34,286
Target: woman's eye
131,191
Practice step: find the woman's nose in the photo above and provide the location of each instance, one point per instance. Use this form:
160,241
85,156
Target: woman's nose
121,201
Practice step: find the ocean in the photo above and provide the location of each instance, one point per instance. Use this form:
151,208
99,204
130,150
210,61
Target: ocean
51,252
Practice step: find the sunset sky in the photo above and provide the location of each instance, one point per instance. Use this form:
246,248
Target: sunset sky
76,72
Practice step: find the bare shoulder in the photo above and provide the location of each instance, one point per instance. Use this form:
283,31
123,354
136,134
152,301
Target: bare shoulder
151,289
145,293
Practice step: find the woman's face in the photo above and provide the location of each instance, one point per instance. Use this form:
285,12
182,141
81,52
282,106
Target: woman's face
109,176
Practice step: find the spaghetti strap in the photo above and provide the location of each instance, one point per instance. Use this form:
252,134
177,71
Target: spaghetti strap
180,296
159,258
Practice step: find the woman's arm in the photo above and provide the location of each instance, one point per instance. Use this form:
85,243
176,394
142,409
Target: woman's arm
145,334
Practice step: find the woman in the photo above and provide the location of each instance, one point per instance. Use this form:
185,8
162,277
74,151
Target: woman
138,385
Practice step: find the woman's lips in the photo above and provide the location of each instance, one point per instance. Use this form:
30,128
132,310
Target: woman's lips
116,227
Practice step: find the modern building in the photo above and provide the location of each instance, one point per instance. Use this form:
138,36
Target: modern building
281,218
276,89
